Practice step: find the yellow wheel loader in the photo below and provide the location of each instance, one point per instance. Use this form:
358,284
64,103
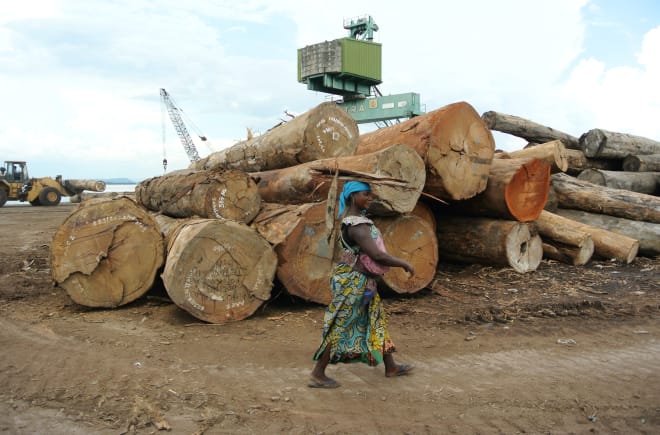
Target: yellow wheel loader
16,185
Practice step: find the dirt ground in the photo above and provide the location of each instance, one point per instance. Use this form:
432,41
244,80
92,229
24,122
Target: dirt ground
561,350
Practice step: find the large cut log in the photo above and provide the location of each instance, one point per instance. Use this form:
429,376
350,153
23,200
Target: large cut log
106,253
582,195
414,239
322,132
396,175
611,145
517,190
217,270
641,182
578,162
490,241
84,196
526,129
553,153
563,241
228,194
643,163
306,256
647,233
80,185
455,144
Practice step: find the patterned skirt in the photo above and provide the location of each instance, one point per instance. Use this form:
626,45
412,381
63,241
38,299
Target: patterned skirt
355,332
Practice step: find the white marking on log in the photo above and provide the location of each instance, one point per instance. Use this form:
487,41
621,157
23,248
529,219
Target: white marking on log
219,203
186,290
346,129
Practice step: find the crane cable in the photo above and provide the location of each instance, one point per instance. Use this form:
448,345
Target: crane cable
162,116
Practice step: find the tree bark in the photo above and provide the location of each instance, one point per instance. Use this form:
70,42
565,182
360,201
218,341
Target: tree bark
582,195
563,241
647,233
517,190
80,185
553,153
396,175
643,163
307,255
528,130
611,145
490,241
217,270
578,162
229,194
641,182
322,132
455,144
106,253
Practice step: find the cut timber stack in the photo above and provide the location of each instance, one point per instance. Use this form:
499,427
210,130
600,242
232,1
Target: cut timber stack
563,240
582,195
396,175
598,143
526,129
322,132
306,249
107,252
455,144
640,182
517,190
217,270
552,153
227,194
647,233
490,241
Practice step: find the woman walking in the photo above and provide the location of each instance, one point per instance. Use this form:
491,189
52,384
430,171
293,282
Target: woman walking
355,325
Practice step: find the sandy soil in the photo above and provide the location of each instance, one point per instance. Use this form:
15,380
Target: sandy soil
560,350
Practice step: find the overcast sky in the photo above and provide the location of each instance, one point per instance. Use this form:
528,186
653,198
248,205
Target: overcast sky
80,79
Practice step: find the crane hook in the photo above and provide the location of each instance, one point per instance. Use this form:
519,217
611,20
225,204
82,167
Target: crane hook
164,165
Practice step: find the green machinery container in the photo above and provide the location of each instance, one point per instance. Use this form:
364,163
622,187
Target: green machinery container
347,67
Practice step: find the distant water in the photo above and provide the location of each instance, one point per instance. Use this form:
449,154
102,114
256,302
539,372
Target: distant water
111,188
65,199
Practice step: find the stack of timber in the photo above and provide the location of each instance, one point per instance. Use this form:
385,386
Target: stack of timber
227,194
396,173
455,144
107,252
322,132
608,188
306,248
218,270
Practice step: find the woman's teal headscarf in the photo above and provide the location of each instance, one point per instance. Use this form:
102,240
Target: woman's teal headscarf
350,187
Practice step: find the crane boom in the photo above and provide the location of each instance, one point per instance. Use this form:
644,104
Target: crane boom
179,126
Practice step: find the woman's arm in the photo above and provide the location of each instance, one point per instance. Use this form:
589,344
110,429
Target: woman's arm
361,234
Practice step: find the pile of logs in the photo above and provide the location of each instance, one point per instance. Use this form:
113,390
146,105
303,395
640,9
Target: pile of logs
222,232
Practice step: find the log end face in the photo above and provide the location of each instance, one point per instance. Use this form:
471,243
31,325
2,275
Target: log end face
592,142
524,249
527,193
330,132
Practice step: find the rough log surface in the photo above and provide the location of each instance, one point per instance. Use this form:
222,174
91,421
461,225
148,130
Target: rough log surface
455,144
563,241
517,190
647,233
612,145
217,270
641,182
322,132
581,195
396,175
107,252
80,185
578,162
490,241
526,129
643,163
228,194
306,254
553,153
414,239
